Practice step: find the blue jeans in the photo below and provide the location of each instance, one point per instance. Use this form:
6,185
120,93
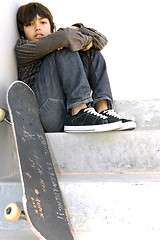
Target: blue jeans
65,80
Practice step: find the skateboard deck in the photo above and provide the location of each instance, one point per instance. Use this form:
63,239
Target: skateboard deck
42,199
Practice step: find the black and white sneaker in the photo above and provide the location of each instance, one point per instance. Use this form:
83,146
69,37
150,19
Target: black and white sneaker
113,117
88,120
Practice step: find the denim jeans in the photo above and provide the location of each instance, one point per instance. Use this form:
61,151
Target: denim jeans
65,79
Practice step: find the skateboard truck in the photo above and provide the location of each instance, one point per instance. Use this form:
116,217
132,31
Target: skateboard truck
13,212
4,116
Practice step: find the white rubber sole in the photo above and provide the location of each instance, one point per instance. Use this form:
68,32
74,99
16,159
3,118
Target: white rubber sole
128,126
94,128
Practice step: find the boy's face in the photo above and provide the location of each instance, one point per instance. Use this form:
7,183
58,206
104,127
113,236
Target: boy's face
38,28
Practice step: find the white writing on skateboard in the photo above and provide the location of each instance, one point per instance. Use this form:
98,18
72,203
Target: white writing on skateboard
60,213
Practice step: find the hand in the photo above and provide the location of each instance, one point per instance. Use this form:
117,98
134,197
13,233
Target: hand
59,48
88,47
74,27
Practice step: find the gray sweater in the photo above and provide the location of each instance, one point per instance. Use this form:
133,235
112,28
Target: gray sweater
30,54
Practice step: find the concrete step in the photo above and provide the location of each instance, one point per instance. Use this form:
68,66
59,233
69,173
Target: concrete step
137,150
104,206
109,180
110,152
146,113
110,206
11,191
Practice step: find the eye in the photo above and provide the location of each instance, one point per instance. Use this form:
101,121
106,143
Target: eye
28,24
44,22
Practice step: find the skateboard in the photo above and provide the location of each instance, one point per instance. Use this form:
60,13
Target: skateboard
42,199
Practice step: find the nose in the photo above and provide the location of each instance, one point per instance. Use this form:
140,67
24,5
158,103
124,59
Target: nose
37,26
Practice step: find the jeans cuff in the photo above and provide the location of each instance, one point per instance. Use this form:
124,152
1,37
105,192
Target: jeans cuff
88,100
109,101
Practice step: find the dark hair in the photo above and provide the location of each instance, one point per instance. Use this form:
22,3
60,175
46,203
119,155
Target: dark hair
26,13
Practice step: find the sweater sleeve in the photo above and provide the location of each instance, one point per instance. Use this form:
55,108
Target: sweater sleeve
98,39
28,52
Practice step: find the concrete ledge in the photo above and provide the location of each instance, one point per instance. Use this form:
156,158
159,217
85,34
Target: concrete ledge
109,180
146,113
17,234
12,192
135,147
97,205
107,208
118,152
6,143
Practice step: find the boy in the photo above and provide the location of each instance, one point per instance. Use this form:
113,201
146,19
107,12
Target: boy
62,67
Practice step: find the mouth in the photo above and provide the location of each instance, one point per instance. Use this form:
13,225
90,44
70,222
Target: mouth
38,36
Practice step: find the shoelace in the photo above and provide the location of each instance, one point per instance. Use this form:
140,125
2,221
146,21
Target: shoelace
112,113
93,112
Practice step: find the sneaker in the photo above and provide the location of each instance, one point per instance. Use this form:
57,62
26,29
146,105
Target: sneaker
113,117
88,120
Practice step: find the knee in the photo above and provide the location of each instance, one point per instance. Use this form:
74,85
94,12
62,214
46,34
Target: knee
65,53
95,53
90,54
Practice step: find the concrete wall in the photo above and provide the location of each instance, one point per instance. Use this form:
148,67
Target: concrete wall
133,51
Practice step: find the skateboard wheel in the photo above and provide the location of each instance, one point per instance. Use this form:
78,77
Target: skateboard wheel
2,114
12,212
